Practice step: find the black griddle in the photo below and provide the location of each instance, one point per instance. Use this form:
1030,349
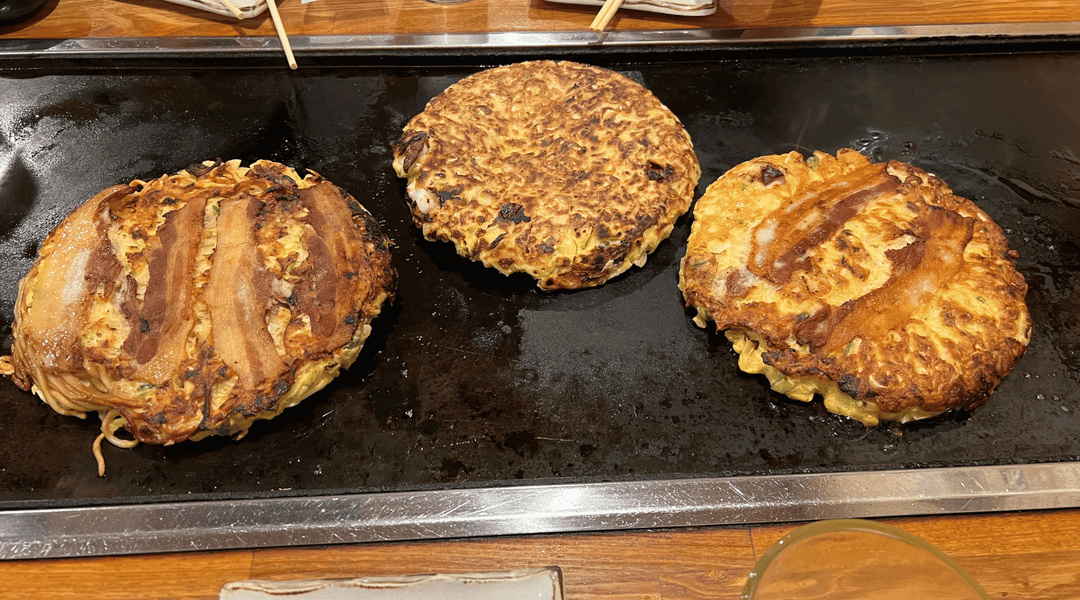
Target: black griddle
473,379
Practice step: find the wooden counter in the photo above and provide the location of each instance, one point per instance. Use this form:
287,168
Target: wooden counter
153,18
1014,555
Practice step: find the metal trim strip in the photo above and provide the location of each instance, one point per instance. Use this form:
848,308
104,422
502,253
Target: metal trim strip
127,46
532,509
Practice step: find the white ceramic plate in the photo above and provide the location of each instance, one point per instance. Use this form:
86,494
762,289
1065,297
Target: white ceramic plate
686,8
532,584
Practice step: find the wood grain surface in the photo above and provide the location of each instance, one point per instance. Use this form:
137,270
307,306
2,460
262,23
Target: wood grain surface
62,19
1014,555
1018,556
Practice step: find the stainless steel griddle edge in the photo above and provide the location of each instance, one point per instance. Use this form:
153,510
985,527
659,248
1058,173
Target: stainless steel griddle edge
532,509
127,46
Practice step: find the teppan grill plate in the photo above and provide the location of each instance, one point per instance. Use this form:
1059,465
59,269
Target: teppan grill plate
483,406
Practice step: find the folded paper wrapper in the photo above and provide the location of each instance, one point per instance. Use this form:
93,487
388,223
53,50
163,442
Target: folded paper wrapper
247,8
690,8
686,8
525,584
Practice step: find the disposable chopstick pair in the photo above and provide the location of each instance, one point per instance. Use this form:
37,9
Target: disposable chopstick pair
278,25
606,14
234,9
281,33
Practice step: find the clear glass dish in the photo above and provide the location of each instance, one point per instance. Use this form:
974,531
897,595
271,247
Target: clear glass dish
856,559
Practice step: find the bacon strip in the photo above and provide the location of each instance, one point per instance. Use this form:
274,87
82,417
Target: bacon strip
237,296
781,240
161,323
919,271
67,277
334,242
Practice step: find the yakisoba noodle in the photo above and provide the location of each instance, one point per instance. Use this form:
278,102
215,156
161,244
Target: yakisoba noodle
111,421
197,303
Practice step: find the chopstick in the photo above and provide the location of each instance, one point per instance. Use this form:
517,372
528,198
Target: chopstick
229,6
281,33
603,18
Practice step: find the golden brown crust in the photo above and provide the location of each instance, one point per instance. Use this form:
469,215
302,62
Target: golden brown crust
873,276
198,302
567,172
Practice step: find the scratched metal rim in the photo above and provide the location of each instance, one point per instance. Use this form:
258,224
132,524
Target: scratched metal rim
532,509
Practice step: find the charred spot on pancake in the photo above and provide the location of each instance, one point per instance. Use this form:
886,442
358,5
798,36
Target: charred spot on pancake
769,174
550,162
449,193
849,384
512,213
200,169
869,284
411,148
657,172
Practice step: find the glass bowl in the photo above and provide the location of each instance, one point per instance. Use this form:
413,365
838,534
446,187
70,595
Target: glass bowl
856,559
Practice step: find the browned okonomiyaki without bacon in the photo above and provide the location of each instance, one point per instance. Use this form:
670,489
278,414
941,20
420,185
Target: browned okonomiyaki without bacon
199,302
567,172
870,284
